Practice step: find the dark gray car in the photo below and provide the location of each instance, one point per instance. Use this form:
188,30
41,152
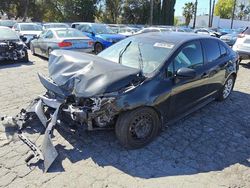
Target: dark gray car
60,38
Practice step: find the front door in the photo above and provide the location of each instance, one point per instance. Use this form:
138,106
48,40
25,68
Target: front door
188,92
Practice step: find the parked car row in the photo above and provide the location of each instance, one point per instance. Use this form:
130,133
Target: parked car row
88,37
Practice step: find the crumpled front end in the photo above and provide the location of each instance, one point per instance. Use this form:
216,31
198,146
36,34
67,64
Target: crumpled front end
94,106
12,50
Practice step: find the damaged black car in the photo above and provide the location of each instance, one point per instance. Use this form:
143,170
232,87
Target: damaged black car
12,48
135,86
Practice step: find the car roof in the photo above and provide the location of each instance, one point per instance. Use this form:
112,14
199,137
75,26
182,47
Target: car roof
4,27
27,23
54,23
174,37
56,29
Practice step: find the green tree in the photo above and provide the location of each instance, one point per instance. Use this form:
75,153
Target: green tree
224,8
136,12
188,12
167,12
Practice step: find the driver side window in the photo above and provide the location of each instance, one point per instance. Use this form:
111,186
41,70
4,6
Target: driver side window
190,56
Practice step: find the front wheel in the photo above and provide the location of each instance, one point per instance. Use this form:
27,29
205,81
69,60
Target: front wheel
227,88
26,57
136,128
32,49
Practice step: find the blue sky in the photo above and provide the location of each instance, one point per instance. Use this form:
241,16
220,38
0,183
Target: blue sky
203,6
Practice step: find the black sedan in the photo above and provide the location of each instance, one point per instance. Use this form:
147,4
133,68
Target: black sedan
134,86
11,46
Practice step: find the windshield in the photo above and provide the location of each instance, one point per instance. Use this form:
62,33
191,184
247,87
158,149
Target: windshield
30,27
67,33
6,34
102,29
141,53
55,26
7,23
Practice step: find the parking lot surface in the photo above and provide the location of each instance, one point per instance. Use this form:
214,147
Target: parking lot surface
211,148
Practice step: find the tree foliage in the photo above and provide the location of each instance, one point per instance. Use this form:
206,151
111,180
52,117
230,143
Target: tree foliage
224,8
109,11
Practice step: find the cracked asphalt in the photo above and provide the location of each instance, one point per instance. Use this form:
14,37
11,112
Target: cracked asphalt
210,148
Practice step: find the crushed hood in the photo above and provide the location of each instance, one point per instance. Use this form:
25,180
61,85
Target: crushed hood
86,75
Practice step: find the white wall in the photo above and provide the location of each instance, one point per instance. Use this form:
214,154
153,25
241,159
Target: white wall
202,21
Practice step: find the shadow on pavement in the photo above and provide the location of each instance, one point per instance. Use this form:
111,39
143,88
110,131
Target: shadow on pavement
211,139
14,64
246,64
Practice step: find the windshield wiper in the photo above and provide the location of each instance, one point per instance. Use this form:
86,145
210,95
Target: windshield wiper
140,58
122,52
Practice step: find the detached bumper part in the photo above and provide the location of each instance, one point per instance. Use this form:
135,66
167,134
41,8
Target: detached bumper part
48,152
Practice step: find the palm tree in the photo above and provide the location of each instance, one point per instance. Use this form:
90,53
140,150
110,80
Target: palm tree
241,13
188,12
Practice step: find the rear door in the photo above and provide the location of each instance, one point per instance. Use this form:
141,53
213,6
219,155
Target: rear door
216,61
45,43
187,93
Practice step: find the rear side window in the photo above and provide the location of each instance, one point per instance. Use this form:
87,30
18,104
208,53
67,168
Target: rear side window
212,50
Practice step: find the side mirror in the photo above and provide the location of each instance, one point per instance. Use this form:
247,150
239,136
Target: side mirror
23,38
35,37
184,73
92,33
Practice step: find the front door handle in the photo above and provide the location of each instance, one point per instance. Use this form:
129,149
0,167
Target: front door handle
205,75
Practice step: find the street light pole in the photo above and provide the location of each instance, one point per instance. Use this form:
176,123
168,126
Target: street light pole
209,15
195,13
232,21
212,14
151,11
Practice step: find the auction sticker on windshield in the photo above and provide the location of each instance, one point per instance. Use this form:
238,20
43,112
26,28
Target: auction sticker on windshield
163,45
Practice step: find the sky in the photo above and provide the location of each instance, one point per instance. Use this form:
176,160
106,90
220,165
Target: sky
202,8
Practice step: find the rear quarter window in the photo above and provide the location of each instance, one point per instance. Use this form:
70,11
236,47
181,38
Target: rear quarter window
211,49
223,50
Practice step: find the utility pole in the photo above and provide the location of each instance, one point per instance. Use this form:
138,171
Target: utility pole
209,14
212,14
232,21
195,13
151,12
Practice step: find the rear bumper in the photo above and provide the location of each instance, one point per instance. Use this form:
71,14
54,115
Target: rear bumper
86,50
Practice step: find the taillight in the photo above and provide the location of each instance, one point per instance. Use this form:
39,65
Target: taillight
90,43
64,44
241,35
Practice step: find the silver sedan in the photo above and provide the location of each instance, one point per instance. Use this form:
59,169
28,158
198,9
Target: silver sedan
60,38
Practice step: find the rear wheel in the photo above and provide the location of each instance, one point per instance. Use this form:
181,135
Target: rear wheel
227,88
136,128
98,48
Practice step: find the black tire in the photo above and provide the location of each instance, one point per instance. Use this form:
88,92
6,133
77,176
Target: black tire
32,49
227,88
49,52
131,124
26,57
98,48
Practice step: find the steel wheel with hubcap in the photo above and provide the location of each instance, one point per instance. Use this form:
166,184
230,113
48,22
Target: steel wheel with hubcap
136,128
227,88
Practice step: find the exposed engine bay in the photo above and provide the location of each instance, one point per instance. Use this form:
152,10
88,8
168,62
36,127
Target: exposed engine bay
12,50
